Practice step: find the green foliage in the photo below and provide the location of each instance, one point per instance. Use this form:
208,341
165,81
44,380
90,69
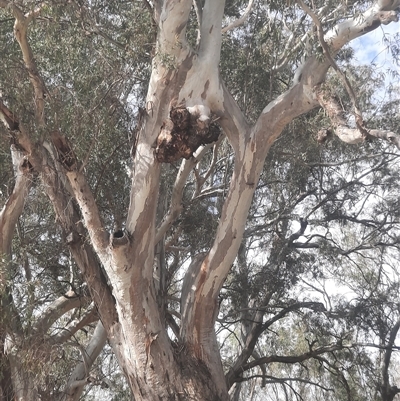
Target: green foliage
95,59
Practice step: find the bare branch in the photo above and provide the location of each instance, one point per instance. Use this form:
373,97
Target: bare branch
66,332
272,379
389,136
200,180
241,20
295,358
20,31
289,49
177,192
80,375
57,309
9,215
257,329
82,193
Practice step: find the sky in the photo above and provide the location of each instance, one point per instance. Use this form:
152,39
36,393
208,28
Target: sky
372,48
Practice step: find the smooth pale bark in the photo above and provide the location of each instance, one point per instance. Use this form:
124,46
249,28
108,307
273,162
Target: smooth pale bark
67,332
81,374
139,338
156,368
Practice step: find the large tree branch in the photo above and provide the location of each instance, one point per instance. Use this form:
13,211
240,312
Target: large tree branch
233,121
83,194
59,193
68,217
313,71
9,214
210,32
341,126
80,376
386,5
251,149
295,358
349,88
360,25
64,333
234,24
172,23
20,31
14,205
57,309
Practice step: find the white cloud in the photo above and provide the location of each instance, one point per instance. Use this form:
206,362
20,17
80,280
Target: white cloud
374,48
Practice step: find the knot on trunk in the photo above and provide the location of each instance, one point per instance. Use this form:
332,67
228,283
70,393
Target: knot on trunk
119,238
183,133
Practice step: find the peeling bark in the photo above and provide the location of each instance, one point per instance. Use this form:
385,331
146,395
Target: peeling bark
186,100
341,127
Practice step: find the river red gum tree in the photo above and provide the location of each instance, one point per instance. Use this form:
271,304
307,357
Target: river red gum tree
186,98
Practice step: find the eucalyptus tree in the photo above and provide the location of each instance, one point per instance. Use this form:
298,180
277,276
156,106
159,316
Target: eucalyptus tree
87,64
325,262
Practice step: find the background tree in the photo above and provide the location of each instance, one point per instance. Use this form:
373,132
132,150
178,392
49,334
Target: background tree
239,238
